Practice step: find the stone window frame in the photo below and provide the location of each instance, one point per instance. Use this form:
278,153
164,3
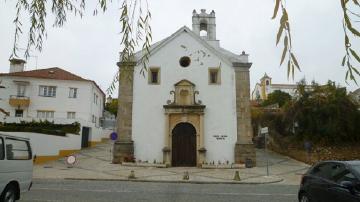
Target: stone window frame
218,79
151,70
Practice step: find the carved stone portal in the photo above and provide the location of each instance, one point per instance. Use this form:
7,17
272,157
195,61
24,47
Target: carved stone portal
184,108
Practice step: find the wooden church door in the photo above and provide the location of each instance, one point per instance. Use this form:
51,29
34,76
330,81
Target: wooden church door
184,145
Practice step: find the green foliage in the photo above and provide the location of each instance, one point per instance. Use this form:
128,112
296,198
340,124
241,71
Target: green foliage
112,107
277,97
285,28
351,54
323,114
348,25
269,118
44,127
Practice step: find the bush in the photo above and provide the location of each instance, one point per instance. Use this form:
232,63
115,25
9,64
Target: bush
44,127
320,114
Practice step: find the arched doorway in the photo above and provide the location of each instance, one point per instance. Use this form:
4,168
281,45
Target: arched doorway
184,145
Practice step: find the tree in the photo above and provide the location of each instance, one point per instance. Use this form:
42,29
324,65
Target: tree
322,113
325,113
134,21
4,112
277,97
112,106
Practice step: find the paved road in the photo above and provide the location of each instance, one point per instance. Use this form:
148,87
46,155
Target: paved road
111,191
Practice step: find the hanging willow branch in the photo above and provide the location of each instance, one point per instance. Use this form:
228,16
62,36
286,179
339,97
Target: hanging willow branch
135,29
351,54
284,30
134,22
36,11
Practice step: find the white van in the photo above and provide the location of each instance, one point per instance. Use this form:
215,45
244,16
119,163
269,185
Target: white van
16,167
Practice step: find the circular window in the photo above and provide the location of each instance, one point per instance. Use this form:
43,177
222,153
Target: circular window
185,61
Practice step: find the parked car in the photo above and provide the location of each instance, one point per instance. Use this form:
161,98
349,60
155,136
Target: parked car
331,181
16,167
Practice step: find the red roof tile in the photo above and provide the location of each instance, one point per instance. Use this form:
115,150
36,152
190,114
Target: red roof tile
55,73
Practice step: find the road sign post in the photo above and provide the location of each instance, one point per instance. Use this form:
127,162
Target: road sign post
113,138
265,131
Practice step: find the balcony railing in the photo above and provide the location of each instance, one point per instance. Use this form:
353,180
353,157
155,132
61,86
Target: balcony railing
19,101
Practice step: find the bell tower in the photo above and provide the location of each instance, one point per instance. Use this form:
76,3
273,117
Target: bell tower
204,25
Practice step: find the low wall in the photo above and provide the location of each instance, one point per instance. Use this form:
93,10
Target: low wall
98,135
50,147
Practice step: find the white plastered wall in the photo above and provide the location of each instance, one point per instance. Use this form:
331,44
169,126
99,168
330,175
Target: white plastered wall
148,129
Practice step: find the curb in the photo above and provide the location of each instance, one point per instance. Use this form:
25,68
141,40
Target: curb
166,181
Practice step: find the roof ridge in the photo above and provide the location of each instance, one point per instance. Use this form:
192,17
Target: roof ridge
217,51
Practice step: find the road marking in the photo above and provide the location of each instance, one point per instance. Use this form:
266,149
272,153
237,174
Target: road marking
201,193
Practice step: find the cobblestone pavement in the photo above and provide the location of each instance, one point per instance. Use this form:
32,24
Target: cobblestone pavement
95,164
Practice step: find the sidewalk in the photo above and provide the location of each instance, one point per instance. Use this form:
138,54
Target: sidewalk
95,164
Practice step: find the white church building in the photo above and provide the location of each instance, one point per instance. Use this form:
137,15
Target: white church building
193,105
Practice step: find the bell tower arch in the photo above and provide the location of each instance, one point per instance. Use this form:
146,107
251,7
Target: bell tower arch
204,24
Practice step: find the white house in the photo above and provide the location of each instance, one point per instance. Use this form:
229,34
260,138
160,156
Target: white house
193,105
52,94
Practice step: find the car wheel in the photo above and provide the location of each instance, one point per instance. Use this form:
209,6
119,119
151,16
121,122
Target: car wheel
304,198
9,194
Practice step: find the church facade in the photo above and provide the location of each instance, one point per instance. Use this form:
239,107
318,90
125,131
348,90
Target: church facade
193,105
265,87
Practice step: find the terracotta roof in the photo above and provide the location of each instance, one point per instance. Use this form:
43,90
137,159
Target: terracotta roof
55,73
49,73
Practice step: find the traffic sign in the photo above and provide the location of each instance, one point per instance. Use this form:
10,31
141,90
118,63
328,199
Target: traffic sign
70,160
113,136
264,130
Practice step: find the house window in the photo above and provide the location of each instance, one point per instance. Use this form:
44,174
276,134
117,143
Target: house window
154,76
45,114
73,93
71,115
47,91
19,113
214,76
21,90
96,98
94,119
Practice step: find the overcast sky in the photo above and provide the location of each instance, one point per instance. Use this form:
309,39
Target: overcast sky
89,46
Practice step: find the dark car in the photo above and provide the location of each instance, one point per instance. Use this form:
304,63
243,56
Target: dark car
331,181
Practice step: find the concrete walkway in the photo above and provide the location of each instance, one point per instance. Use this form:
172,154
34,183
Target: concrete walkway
95,163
